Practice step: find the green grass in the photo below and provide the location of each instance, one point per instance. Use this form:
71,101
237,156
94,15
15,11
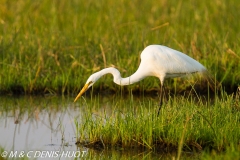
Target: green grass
185,124
53,46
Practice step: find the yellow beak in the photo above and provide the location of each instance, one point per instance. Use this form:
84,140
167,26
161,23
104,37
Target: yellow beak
84,89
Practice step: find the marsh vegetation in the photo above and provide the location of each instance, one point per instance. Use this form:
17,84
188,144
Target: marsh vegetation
51,47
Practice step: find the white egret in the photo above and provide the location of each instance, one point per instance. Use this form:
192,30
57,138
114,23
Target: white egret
156,60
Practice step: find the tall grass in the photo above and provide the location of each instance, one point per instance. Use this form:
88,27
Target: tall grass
53,46
190,125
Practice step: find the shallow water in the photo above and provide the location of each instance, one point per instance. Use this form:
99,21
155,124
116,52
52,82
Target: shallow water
39,124
44,127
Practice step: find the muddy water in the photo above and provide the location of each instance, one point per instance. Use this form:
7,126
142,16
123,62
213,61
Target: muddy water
44,128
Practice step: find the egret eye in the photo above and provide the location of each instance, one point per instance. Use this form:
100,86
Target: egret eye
90,82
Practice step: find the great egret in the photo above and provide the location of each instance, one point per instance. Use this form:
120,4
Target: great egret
156,60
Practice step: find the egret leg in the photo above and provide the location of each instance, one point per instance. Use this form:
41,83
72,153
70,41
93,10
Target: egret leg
161,97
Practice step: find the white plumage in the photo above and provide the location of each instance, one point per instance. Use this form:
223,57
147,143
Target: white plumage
165,62
156,60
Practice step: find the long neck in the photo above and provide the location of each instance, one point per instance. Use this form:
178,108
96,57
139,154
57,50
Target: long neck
136,77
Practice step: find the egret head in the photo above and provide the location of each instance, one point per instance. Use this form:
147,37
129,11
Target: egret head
91,80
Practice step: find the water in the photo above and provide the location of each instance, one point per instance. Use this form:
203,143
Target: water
44,127
34,124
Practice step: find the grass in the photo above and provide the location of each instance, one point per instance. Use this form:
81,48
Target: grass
52,46
192,125
186,121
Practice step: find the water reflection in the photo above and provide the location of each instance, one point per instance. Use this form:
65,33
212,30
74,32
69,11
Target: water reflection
38,123
29,123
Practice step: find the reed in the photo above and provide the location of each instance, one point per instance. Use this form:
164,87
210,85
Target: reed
52,46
